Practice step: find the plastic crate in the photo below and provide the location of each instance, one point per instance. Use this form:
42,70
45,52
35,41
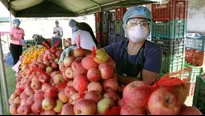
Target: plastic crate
196,70
98,27
172,63
106,16
171,46
119,13
113,18
111,27
173,10
98,17
199,94
169,29
105,38
99,37
119,27
195,43
105,27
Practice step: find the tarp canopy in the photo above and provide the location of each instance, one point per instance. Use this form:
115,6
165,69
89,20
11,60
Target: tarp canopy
65,8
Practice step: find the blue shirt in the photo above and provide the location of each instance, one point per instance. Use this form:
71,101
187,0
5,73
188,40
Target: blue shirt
152,55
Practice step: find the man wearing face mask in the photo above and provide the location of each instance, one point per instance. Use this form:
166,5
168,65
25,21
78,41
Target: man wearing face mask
135,57
17,40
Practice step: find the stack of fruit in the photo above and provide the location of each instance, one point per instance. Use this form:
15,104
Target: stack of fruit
140,98
32,53
194,57
81,86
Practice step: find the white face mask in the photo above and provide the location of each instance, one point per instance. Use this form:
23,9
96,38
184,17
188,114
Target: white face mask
137,33
15,25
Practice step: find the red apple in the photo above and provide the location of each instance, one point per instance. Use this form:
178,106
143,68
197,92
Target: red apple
110,85
112,95
45,87
17,100
89,63
129,110
53,50
23,110
136,94
44,78
95,86
111,62
39,95
62,97
30,101
51,57
24,96
69,73
104,105
189,110
163,101
78,52
70,83
85,107
93,95
93,74
51,92
36,85
80,83
106,71
67,109
37,106
77,67
48,112
42,66
47,52
58,78
47,63
54,65
54,73
121,102
68,61
69,91
29,91
13,109
48,103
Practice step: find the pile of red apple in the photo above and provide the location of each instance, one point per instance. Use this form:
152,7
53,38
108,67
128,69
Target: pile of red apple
194,57
140,98
81,84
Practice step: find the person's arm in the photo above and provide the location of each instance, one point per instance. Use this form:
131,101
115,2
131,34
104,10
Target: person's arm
54,30
61,32
73,40
11,35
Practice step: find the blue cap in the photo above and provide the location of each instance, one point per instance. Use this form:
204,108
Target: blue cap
72,23
136,11
17,21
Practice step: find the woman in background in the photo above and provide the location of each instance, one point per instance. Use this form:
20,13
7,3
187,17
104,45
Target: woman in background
17,40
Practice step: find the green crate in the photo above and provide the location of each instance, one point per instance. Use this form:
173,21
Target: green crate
172,63
119,27
196,70
170,29
199,94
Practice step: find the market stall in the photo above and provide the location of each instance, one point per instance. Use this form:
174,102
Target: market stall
86,83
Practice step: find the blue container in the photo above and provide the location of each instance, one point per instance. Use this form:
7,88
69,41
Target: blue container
9,59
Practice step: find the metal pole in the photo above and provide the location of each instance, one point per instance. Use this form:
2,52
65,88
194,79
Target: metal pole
3,78
1,100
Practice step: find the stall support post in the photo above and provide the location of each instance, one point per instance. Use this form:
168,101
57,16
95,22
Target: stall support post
3,79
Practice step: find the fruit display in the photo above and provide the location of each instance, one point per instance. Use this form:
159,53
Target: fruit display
78,85
195,57
32,53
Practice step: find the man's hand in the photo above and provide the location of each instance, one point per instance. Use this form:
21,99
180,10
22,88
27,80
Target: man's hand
66,53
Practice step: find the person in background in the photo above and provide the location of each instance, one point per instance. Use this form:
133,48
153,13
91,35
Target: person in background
86,40
17,40
58,34
85,27
135,57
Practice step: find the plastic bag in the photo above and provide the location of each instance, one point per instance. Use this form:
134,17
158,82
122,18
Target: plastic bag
9,60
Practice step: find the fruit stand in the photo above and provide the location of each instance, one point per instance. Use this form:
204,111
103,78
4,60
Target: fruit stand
86,83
